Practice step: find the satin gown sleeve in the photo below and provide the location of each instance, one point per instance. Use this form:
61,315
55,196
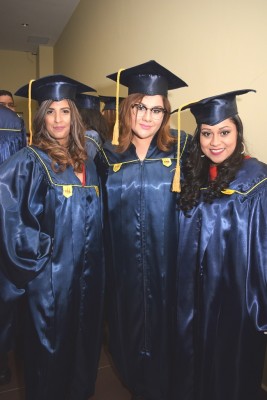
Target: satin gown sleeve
12,133
25,251
256,283
93,143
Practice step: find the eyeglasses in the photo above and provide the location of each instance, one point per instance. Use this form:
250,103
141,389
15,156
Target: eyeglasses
156,112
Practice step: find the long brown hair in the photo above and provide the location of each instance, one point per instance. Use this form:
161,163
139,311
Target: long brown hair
74,154
94,120
110,117
164,139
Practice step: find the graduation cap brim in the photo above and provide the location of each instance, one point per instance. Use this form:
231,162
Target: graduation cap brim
109,102
149,78
87,101
53,87
215,109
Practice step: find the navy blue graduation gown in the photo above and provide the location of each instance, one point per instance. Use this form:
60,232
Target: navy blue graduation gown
222,293
141,243
12,133
51,254
93,143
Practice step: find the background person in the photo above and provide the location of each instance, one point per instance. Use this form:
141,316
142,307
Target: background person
109,112
94,122
6,99
12,139
222,263
12,134
51,247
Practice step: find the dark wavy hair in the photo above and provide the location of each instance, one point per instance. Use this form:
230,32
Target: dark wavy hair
74,154
110,117
196,171
94,120
4,92
164,139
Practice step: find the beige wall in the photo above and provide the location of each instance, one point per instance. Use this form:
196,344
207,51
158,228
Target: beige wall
16,69
215,46
45,61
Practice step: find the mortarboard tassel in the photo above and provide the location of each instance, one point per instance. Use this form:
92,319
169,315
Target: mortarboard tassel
30,109
176,184
115,139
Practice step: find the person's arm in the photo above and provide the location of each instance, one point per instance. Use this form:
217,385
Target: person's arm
256,286
25,246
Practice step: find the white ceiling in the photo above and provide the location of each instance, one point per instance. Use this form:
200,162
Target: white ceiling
46,19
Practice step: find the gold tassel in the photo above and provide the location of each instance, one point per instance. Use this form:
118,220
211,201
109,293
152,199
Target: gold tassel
30,109
176,184
115,139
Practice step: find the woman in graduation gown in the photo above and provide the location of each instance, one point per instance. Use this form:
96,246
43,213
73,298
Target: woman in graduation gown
222,263
141,231
51,248
12,139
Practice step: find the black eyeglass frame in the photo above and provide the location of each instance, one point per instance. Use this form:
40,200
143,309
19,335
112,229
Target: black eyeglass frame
145,108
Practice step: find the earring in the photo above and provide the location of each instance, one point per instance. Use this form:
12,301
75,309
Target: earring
202,155
244,148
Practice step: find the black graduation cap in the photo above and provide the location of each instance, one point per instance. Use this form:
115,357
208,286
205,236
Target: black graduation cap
87,101
215,109
53,87
110,102
149,78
